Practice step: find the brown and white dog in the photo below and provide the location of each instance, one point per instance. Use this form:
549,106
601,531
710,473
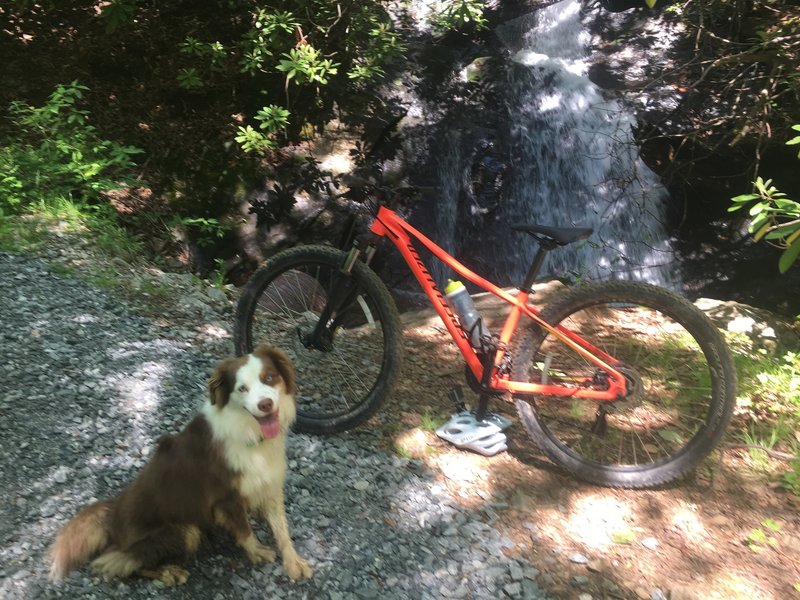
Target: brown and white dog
229,461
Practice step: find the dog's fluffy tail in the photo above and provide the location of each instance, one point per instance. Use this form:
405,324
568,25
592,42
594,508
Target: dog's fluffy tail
80,539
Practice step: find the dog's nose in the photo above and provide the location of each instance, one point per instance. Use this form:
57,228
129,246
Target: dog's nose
265,405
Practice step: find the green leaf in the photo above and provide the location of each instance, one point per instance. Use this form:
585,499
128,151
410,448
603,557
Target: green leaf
786,205
762,185
623,537
650,3
745,198
789,256
761,232
670,435
771,524
757,536
782,231
758,222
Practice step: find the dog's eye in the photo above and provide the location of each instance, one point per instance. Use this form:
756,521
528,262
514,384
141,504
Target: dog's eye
268,378
243,389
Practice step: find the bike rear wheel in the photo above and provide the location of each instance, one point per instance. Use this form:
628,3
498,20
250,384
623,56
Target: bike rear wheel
342,382
680,377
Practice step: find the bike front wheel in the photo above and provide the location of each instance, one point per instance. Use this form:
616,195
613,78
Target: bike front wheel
342,382
679,373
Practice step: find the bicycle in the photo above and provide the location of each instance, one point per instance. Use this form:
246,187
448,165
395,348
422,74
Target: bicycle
620,383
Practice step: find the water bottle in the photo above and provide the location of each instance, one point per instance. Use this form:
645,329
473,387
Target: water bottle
461,302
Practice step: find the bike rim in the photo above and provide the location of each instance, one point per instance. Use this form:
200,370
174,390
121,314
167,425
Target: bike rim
672,389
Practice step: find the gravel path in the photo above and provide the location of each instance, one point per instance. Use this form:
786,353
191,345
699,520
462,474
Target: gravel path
88,386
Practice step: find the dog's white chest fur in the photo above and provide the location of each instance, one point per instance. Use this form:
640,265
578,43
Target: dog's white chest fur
263,467
262,463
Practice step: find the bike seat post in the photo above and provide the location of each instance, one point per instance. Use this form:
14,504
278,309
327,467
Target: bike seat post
533,271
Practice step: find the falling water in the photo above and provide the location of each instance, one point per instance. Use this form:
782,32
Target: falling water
572,161
449,162
577,162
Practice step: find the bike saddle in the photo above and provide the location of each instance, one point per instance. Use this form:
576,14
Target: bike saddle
560,235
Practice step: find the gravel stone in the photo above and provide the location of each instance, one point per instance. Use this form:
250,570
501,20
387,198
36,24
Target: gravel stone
89,386
579,559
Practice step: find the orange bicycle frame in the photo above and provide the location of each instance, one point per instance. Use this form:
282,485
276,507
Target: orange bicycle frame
390,225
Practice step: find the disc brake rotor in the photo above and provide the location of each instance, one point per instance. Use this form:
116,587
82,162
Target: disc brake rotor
634,395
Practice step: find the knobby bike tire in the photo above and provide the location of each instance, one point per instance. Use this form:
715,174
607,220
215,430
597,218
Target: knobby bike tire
677,365
340,388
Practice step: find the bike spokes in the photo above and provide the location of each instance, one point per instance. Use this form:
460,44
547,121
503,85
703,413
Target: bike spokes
337,345
676,400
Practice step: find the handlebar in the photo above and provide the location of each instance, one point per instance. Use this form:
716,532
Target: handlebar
374,195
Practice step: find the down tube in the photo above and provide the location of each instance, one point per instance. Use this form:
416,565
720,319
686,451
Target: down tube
402,242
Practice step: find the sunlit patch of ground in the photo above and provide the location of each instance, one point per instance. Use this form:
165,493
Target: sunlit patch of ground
688,540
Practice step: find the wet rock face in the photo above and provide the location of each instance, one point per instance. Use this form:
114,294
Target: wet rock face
517,133
631,49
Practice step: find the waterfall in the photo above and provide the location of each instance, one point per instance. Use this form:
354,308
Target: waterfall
449,162
575,161
571,160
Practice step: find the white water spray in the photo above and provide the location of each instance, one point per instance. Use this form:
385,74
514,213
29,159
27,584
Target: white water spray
574,159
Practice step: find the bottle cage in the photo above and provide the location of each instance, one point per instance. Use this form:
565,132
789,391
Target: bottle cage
485,437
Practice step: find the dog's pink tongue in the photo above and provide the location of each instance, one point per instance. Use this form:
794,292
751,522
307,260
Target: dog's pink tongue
270,427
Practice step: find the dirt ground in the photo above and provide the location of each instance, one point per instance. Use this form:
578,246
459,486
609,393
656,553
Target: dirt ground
727,532
723,533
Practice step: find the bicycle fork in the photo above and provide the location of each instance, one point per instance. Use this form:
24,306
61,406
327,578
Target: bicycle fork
343,291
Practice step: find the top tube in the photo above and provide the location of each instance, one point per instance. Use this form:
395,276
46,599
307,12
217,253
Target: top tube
388,222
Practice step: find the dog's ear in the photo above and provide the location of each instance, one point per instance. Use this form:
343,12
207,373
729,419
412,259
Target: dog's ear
284,365
221,383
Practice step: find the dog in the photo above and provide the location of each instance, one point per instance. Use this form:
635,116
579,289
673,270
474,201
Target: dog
228,462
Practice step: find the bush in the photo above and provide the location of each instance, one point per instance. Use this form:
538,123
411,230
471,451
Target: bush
305,57
775,216
54,152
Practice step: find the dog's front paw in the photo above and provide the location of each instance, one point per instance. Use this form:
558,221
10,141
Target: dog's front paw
259,554
169,575
296,568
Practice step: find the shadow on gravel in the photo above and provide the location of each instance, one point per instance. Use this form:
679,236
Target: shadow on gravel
92,386
89,387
